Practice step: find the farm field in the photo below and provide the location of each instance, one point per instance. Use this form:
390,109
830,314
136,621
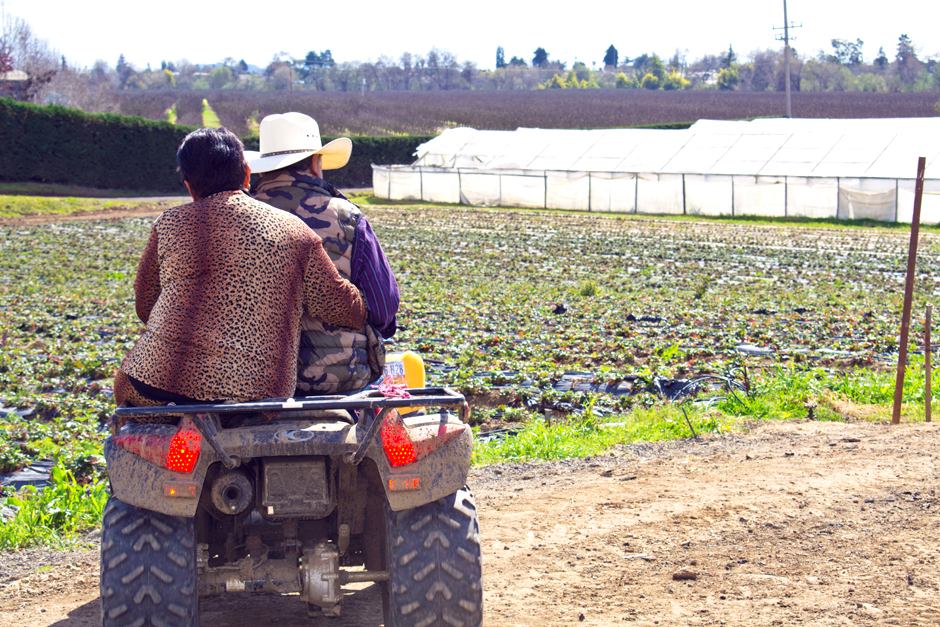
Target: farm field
584,335
528,313
428,113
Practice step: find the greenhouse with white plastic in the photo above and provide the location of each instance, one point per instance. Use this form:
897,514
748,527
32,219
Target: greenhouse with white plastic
775,167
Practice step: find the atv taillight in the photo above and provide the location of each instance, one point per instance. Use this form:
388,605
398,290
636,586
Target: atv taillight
396,442
184,448
178,452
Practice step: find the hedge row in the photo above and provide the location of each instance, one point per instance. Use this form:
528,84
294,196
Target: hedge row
54,144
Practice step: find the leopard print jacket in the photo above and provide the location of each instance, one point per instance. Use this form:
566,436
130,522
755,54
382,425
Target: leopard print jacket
222,284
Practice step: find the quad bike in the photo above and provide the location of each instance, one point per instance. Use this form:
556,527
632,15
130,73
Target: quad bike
292,496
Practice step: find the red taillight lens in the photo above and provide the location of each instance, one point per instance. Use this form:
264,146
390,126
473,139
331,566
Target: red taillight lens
184,448
153,448
178,452
396,441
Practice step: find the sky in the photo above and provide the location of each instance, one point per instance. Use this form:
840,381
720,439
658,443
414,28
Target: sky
205,32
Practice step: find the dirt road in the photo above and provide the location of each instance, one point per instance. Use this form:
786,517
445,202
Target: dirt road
791,523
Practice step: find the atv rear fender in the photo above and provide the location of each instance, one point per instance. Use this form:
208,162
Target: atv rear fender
443,444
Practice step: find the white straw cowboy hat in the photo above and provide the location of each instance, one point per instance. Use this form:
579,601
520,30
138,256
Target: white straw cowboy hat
287,138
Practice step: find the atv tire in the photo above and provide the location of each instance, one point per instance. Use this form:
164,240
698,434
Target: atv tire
148,568
434,564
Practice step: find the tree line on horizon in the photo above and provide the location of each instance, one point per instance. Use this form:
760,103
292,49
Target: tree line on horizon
51,79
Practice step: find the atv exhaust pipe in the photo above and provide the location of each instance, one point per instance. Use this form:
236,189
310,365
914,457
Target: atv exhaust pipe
232,492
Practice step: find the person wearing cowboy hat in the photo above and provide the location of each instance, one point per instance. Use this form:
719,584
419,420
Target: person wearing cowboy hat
332,360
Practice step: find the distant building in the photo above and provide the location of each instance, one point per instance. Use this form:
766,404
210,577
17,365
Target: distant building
13,84
14,75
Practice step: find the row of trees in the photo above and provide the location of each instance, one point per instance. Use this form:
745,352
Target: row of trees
52,79
844,69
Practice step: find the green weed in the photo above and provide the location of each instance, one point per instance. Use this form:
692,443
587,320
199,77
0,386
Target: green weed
54,515
586,436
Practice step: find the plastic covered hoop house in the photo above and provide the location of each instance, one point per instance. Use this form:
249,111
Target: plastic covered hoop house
776,167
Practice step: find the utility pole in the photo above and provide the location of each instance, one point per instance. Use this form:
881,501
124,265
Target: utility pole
787,25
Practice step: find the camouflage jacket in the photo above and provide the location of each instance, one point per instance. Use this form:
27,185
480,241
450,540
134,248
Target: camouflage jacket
332,359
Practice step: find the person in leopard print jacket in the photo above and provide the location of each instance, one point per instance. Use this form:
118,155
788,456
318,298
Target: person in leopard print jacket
222,285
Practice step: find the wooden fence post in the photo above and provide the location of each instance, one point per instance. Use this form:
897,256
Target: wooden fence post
927,391
908,291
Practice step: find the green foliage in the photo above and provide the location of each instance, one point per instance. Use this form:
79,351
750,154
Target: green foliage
611,57
871,83
847,53
54,515
622,82
881,60
582,71
583,435
588,288
657,69
220,77
555,82
675,81
650,82
937,107
253,126
209,118
172,116
59,145
729,58
12,206
540,58
571,81
487,308
728,78
787,391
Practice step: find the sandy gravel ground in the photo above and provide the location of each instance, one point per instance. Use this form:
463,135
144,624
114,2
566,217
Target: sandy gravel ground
790,523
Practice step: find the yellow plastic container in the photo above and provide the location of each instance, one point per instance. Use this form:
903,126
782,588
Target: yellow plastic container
405,368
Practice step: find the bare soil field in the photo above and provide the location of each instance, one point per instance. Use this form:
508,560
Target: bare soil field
429,112
786,523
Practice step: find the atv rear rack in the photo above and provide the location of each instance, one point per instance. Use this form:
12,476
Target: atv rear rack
206,417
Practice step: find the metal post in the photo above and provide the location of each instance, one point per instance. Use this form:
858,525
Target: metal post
589,192
636,193
928,400
786,53
683,195
908,291
786,49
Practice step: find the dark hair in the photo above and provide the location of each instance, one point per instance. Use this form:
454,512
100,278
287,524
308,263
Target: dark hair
298,167
212,160
303,165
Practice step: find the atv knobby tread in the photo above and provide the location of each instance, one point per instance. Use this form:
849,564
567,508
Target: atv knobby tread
148,568
435,568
